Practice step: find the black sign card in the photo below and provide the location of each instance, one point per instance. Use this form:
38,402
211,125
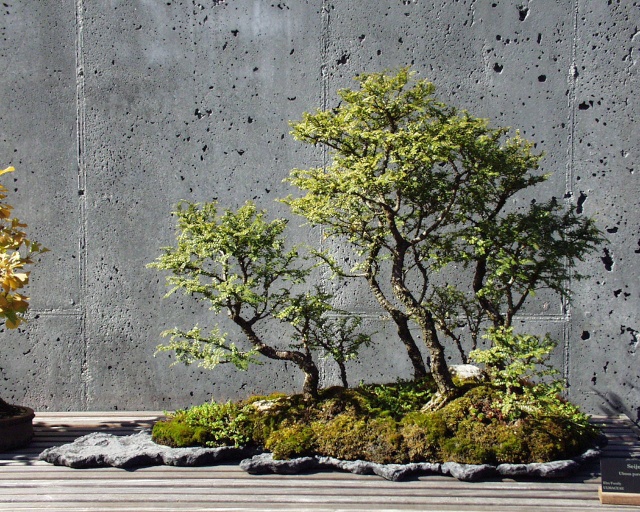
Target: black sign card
620,475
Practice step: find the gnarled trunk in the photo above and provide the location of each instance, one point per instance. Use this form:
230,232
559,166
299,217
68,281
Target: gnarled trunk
303,361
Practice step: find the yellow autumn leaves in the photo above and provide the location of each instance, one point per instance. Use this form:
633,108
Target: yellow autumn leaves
13,277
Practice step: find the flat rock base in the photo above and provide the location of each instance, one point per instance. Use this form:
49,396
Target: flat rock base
101,449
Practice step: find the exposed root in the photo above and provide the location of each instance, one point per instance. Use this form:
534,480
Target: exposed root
438,401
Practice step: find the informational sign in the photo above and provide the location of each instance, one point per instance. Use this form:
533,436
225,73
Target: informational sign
620,481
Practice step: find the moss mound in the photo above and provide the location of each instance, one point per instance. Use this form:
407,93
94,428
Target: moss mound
385,424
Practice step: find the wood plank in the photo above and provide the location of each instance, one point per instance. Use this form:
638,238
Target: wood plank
29,484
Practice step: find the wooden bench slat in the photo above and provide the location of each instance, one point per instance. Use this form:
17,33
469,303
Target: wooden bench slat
29,484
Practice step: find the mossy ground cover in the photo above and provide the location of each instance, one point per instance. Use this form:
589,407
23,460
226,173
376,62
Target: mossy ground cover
385,424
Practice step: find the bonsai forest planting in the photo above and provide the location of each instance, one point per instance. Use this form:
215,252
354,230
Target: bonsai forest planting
421,196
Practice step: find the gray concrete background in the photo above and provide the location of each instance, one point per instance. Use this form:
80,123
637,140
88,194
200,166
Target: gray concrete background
115,110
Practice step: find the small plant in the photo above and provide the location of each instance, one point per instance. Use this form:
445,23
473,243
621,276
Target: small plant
518,365
337,335
16,252
209,424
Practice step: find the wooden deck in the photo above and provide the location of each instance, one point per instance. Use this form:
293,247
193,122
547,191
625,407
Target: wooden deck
27,484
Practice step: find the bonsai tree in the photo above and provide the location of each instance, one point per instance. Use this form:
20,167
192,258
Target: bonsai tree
16,252
238,263
337,334
421,191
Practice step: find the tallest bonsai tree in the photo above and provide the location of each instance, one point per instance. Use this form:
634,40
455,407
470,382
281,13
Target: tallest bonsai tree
422,193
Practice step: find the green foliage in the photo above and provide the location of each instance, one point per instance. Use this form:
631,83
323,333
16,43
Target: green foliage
319,325
419,188
208,351
211,424
516,359
234,261
397,399
238,262
16,252
518,365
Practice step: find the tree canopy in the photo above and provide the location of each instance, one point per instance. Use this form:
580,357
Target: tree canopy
420,190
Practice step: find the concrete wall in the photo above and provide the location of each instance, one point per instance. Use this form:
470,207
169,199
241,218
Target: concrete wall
113,110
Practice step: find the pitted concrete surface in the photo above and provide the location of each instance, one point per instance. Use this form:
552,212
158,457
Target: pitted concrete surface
115,111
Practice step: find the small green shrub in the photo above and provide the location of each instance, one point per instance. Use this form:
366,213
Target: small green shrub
210,424
397,399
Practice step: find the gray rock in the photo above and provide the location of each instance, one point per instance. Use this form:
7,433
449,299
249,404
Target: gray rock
554,469
101,449
468,472
397,472
265,464
588,456
467,372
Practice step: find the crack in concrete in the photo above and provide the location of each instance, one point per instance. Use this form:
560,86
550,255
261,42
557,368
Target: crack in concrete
82,196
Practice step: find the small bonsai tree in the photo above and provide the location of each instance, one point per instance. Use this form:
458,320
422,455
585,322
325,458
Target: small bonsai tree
421,192
309,314
238,262
16,252
527,385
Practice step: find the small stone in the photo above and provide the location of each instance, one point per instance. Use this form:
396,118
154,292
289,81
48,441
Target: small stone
555,469
467,372
265,464
264,405
468,472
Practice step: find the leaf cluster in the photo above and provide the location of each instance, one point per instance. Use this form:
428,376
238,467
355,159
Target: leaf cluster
16,252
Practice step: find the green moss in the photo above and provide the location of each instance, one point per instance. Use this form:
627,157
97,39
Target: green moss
422,435
174,434
297,440
351,437
210,424
355,424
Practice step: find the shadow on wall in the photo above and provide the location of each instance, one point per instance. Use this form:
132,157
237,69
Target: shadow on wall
613,405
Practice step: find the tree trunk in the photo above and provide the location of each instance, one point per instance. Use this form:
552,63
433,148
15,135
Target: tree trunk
311,380
402,322
343,374
415,356
439,369
303,361
424,319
